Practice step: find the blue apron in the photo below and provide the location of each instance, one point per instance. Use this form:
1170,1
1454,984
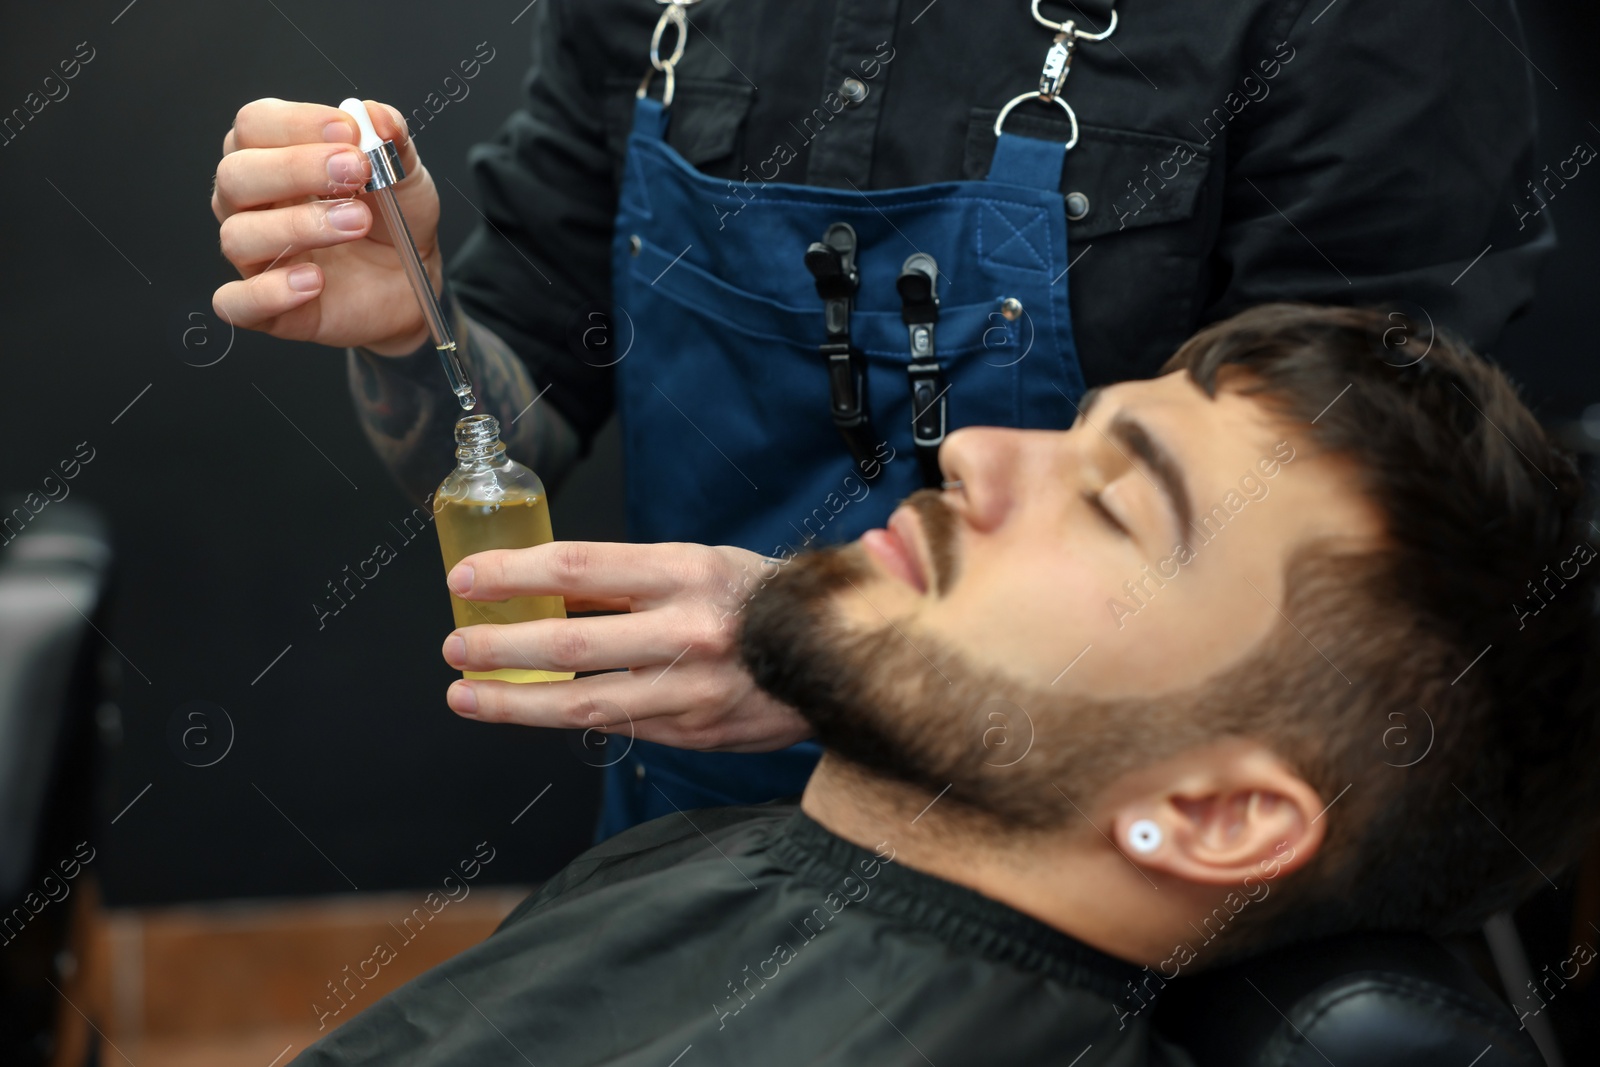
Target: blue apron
724,399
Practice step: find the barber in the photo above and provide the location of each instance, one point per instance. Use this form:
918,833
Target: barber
793,245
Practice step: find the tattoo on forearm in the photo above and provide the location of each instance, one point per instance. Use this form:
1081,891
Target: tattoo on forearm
411,423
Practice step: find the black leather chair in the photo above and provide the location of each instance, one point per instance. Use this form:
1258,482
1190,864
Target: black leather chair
1360,1000
53,580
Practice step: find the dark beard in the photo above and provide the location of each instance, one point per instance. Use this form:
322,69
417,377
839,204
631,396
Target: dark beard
902,703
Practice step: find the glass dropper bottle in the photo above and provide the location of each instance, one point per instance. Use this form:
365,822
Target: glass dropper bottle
492,501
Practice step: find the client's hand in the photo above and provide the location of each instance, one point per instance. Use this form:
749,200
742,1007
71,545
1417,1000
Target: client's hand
683,686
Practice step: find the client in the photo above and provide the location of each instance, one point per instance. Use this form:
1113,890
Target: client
1118,704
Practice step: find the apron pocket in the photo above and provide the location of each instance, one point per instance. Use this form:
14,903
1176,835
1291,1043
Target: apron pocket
963,329
774,396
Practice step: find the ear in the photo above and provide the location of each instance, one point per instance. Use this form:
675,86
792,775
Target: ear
1223,813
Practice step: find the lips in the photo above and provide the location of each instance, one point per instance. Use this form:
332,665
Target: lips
894,548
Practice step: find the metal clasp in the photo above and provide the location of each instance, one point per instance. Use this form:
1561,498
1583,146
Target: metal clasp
1071,27
1057,65
1072,116
671,15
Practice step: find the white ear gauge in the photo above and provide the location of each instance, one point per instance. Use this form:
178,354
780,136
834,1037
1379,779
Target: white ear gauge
1144,836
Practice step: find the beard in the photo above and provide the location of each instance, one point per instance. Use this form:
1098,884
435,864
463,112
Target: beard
900,702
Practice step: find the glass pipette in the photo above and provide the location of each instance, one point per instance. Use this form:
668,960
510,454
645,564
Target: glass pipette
386,171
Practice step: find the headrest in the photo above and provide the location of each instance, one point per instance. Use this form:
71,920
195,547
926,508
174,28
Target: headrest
1371,999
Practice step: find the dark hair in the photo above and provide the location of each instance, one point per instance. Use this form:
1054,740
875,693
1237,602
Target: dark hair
1474,624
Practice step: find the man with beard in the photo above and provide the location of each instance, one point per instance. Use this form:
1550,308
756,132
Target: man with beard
1111,707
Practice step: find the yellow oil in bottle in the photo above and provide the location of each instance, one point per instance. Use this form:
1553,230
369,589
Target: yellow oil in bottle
468,526
491,501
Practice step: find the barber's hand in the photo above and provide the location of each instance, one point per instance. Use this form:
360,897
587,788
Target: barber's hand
317,261
685,686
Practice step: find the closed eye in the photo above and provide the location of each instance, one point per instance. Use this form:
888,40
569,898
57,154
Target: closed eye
1099,507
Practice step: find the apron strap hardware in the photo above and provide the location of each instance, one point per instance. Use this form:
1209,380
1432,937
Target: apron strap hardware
1069,27
666,94
918,285
832,262
1072,116
1057,65
673,16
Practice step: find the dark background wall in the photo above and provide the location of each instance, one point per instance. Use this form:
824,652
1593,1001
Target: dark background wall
238,489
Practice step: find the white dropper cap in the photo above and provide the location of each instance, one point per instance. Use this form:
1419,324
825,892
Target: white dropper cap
358,111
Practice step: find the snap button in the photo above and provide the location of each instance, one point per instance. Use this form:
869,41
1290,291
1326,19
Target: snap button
638,771
634,245
854,90
1011,309
1077,206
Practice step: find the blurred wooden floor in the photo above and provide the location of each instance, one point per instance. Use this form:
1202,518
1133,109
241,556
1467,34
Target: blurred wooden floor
246,984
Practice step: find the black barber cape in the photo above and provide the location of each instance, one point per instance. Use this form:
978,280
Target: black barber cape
753,935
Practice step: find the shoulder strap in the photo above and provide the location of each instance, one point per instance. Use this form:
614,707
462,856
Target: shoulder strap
1027,161
649,118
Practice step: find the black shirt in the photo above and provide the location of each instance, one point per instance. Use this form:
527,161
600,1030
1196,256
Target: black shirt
1353,151
755,936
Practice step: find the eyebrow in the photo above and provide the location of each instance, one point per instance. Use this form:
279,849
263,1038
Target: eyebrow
1169,474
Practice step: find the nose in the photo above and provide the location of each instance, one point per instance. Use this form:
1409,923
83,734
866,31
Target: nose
988,462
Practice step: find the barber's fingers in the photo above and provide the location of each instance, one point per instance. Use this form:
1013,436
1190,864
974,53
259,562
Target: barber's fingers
279,150
690,705
274,123
592,569
257,177
256,301
685,685
579,602
600,643
390,125
251,240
